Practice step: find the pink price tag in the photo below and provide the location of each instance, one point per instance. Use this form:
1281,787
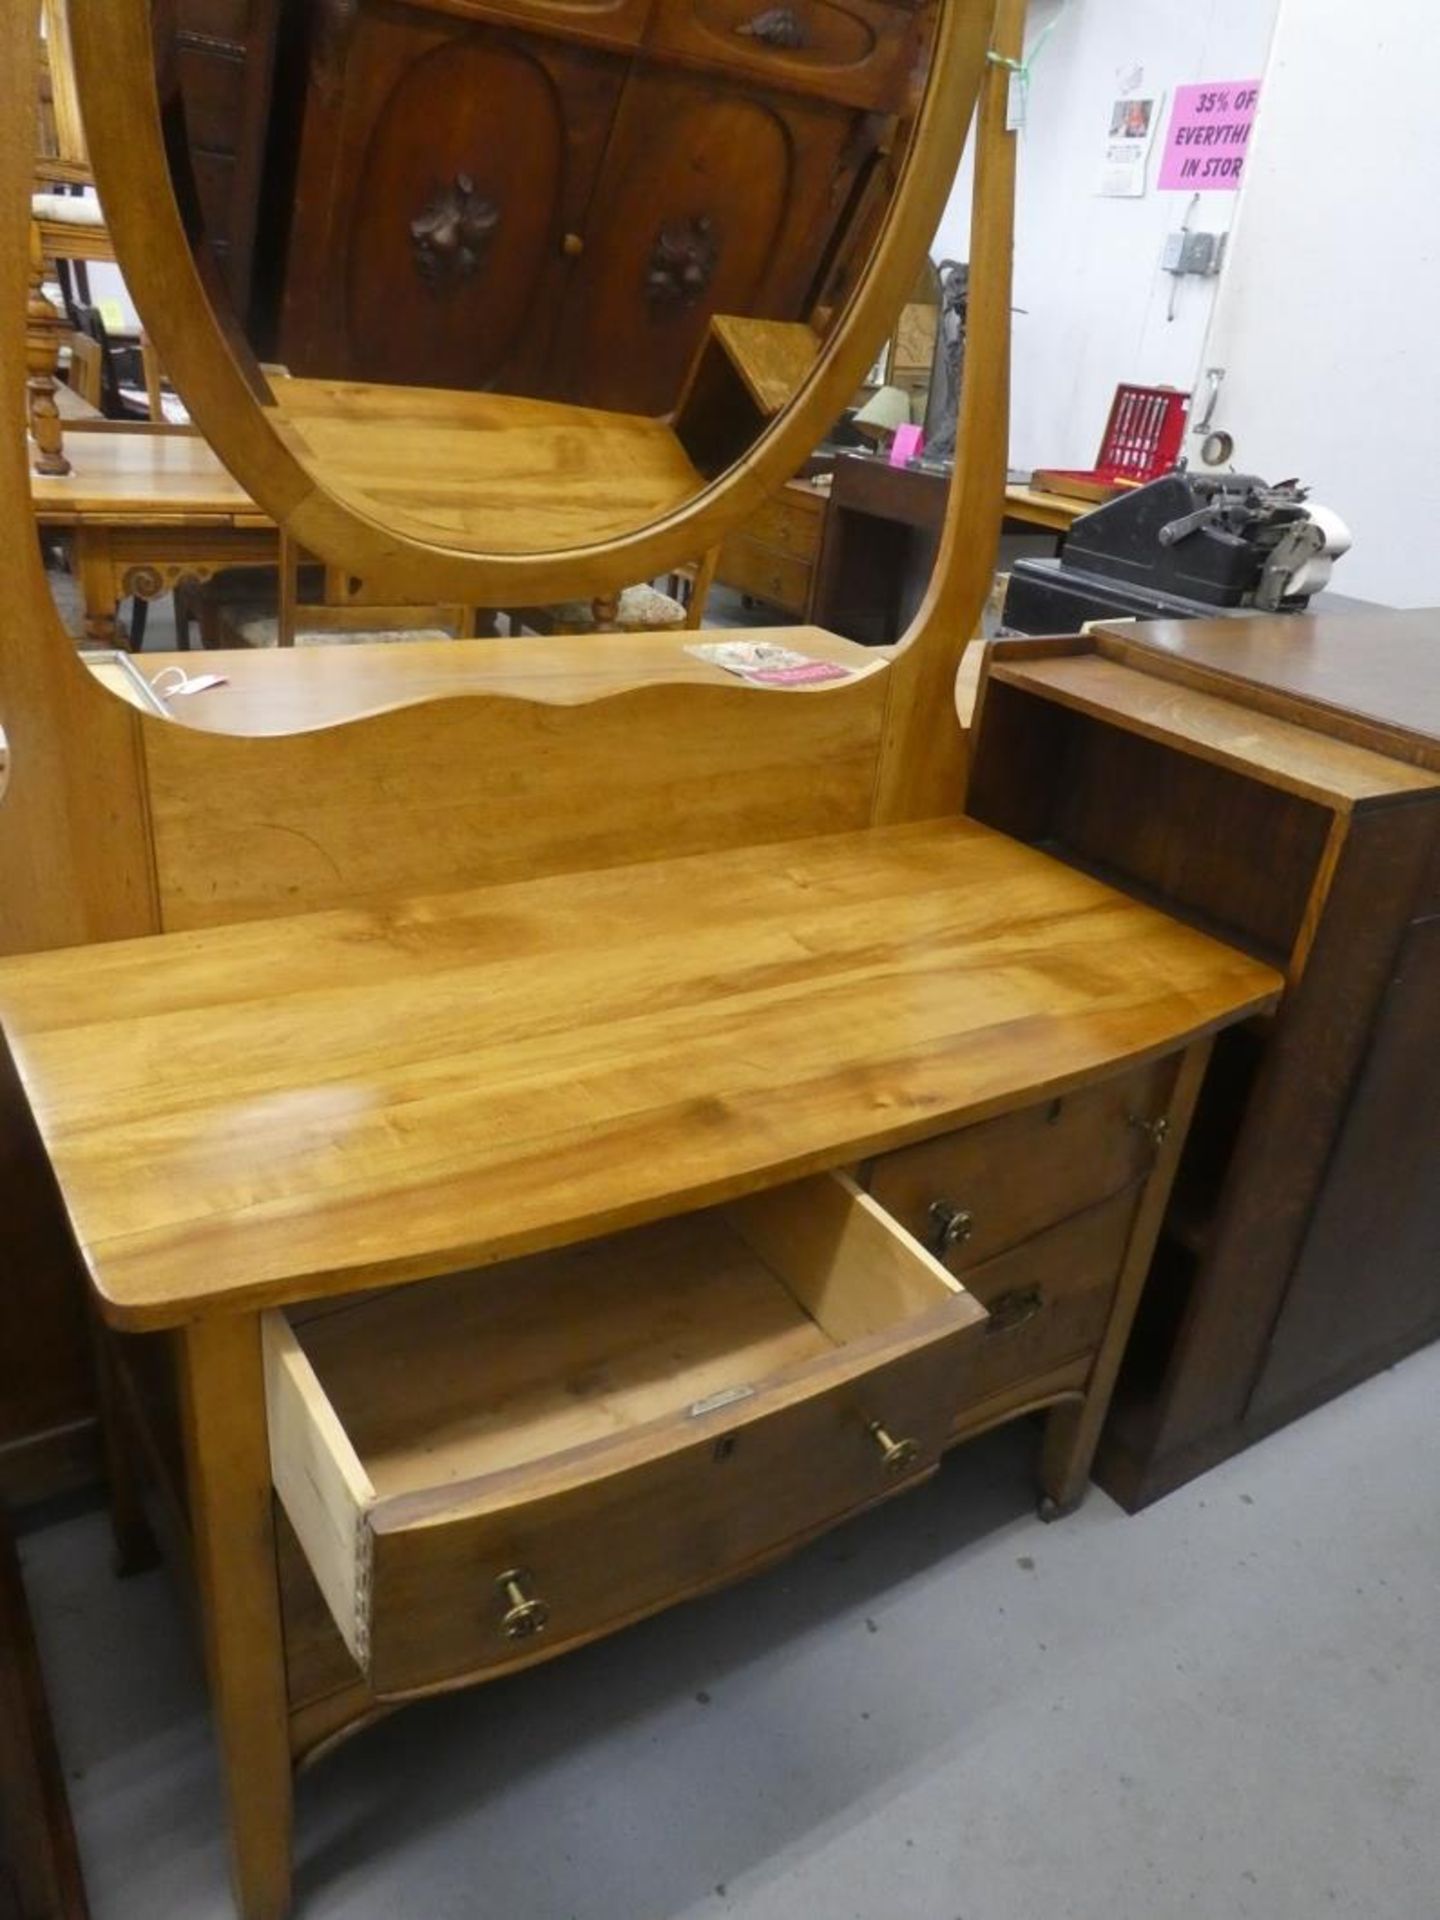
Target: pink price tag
906,445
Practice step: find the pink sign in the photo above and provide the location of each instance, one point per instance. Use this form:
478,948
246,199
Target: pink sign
906,445
1209,136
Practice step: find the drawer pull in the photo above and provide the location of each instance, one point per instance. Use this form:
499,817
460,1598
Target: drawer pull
1010,1310
1157,1132
525,1617
950,1226
898,1455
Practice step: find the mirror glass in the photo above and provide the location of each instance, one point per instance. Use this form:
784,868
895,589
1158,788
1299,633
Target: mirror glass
522,275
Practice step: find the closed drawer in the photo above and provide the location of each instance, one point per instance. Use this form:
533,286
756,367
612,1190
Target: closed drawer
861,53
777,578
972,1194
615,1425
1049,1299
789,521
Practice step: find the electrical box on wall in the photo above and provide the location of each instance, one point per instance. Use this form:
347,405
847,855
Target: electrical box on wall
1198,253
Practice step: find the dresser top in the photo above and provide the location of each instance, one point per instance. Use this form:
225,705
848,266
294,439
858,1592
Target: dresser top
1381,669
295,1107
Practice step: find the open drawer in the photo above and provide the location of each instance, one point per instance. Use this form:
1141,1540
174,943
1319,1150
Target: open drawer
562,1444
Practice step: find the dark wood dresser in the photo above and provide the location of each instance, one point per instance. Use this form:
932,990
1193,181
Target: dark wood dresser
1277,781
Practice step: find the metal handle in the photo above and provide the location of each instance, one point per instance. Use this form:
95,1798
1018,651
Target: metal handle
1214,379
525,1617
1011,1310
898,1456
1156,1131
950,1226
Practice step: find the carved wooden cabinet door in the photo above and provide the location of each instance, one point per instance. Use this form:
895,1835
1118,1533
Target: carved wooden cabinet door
445,170
222,59
716,197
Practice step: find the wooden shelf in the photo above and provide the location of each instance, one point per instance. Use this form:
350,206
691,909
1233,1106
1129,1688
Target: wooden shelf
488,472
1310,765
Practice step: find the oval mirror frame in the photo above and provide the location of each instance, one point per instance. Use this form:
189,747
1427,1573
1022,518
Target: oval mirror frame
117,83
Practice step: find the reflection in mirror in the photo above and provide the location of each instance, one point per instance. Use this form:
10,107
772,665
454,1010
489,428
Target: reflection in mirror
444,226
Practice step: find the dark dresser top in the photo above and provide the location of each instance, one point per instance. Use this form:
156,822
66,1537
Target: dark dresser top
1382,668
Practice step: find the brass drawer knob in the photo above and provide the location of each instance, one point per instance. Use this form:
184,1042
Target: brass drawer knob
525,1616
950,1226
572,246
898,1455
1157,1132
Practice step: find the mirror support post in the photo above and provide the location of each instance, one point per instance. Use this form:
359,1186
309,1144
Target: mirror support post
74,852
923,758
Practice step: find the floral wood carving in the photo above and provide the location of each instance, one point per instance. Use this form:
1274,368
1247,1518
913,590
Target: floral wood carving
777,27
682,262
448,236
331,30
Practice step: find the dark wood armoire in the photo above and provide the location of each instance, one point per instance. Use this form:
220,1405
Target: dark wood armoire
536,197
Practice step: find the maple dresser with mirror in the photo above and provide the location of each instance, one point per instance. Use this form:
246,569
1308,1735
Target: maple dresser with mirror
546,1126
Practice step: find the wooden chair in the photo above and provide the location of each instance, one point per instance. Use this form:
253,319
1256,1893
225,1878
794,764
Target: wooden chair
86,367
640,609
67,226
692,585
255,607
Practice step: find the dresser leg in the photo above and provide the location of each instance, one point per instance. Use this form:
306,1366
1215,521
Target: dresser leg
135,1548
227,1460
1072,1431
1065,1459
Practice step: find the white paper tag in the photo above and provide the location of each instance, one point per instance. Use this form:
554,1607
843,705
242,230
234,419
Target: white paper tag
1015,103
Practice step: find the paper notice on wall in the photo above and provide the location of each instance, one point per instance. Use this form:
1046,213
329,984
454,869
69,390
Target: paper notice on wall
1127,147
1209,136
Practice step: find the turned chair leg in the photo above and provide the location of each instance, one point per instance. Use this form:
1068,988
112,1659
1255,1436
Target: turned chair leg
43,330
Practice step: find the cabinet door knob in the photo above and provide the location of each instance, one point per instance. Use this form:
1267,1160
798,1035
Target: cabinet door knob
1157,1132
950,1226
572,246
525,1616
898,1456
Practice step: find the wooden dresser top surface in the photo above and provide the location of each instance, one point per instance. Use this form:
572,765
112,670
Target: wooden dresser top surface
296,1107
1381,668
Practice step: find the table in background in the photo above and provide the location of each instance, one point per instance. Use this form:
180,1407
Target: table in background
145,509
881,531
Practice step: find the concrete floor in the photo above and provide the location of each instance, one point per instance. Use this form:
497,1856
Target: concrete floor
1226,1709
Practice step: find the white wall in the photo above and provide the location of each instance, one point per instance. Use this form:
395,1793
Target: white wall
1328,321
1087,269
